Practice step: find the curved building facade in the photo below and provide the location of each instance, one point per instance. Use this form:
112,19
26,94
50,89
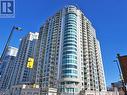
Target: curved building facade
69,60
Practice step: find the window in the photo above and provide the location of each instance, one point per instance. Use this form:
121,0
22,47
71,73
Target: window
69,76
69,66
69,71
70,56
70,48
69,45
69,61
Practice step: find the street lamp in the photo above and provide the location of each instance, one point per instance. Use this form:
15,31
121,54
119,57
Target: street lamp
121,77
8,41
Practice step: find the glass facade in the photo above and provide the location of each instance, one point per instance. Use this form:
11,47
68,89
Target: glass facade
69,59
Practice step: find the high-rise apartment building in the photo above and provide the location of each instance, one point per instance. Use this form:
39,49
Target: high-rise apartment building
69,55
7,67
27,49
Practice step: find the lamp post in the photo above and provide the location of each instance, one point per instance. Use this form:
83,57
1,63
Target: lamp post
121,77
8,41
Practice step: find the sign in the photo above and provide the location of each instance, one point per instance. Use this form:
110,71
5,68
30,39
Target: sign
30,62
7,8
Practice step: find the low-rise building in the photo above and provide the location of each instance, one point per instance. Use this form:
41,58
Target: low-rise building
118,86
98,93
24,90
